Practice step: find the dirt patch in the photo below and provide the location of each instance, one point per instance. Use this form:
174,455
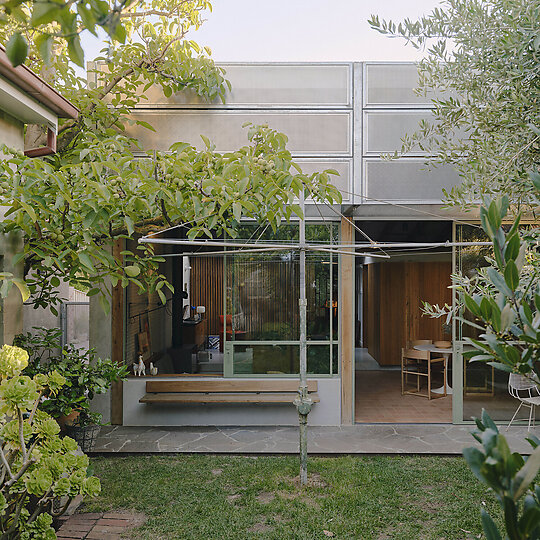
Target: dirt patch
300,495
265,497
314,480
217,472
260,528
232,498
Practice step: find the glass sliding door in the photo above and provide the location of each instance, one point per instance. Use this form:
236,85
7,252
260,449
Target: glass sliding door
483,386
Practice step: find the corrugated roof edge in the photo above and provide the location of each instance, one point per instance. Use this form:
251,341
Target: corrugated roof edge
36,87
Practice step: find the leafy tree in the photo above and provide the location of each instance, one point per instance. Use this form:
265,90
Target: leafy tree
482,61
71,207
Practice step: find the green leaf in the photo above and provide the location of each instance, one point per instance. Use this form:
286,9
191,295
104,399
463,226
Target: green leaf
132,270
17,49
490,529
86,261
512,248
162,296
498,280
475,460
526,474
535,177
44,12
23,288
44,44
237,210
75,50
511,275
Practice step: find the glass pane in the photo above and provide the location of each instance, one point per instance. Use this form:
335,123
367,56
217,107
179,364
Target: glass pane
470,259
266,359
487,388
263,288
318,359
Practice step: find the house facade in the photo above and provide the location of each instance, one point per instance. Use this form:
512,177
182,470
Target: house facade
235,317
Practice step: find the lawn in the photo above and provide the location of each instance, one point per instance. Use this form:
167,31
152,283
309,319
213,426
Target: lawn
218,497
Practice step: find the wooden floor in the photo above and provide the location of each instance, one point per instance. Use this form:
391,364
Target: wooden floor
378,399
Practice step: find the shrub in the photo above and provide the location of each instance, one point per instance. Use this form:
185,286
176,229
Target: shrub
36,464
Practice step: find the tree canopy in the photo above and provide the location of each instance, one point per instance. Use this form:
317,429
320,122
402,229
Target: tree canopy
482,60
101,186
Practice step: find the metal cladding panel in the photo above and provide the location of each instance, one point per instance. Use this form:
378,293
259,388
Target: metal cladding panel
271,85
383,130
393,85
343,167
407,180
318,133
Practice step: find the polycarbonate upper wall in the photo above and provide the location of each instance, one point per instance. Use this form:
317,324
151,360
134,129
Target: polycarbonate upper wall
336,115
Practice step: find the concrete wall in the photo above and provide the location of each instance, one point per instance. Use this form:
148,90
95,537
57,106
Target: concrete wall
325,413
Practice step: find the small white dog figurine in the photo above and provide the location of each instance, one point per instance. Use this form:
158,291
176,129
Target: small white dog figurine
139,368
153,369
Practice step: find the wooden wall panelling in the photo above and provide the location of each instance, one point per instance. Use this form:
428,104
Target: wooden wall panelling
373,310
392,312
207,289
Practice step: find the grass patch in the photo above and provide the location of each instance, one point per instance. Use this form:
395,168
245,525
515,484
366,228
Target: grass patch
378,497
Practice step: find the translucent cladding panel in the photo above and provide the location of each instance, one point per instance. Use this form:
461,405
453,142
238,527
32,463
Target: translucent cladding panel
393,84
271,85
407,180
383,131
343,167
308,133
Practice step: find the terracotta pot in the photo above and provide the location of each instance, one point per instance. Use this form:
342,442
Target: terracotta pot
65,421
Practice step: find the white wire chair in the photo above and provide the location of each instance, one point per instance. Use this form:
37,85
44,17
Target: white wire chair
528,393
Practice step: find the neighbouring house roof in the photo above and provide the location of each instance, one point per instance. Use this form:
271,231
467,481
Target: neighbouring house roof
30,83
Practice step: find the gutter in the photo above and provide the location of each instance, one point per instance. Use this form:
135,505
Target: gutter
47,150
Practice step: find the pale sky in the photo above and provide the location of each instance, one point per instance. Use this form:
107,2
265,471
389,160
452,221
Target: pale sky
301,30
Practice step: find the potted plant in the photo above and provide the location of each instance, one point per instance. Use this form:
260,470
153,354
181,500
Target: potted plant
86,375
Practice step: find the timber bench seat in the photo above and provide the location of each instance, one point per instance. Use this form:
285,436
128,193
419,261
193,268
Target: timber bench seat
221,391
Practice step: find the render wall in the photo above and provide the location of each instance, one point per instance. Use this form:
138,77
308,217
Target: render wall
12,135
325,413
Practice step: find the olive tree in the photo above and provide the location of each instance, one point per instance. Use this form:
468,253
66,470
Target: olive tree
482,61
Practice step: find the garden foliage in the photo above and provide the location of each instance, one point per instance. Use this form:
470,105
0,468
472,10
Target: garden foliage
36,464
511,478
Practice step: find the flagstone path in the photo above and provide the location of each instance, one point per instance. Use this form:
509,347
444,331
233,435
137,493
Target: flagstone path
358,439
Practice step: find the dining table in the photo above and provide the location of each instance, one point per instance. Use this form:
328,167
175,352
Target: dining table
447,355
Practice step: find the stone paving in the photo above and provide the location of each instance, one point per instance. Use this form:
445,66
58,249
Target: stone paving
357,439
99,526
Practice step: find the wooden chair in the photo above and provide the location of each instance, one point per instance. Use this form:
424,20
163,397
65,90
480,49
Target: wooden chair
419,364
